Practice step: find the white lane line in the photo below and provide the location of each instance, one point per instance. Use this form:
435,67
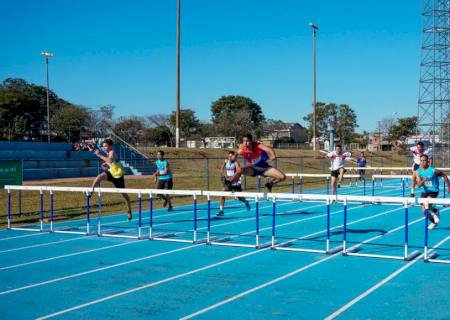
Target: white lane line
152,284
283,277
380,284
98,269
68,255
24,236
94,250
119,264
263,229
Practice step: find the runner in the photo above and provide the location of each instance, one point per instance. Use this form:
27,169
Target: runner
337,169
114,171
256,156
362,162
163,176
417,152
427,177
227,171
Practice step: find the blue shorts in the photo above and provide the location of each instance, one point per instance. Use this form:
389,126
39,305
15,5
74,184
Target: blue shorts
259,169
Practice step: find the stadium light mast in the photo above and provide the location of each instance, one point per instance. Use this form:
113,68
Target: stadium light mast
314,102
177,112
47,55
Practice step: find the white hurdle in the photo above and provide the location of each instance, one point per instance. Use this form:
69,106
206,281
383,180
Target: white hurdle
225,241
430,254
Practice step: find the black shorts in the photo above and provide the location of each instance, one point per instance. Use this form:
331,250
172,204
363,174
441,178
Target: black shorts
228,186
429,194
165,184
335,173
258,170
117,182
415,166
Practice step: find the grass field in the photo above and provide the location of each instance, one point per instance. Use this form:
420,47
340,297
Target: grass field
192,168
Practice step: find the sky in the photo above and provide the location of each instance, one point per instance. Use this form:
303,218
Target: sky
124,53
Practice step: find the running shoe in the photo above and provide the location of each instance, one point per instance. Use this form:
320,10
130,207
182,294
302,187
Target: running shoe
170,207
435,216
220,213
130,216
431,226
269,186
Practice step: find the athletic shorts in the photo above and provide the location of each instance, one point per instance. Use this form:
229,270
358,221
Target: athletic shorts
416,166
165,184
260,169
335,173
228,186
117,182
429,194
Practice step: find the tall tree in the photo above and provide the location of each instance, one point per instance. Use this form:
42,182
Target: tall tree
130,128
189,123
403,128
69,120
342,118
228,109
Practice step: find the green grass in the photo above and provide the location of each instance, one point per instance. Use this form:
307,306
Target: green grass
193,169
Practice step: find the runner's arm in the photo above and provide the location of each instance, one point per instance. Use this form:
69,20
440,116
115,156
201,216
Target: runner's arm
270,151
238,173
442,174
418,180
222,169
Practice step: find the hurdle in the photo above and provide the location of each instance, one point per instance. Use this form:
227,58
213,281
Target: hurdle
404,179
101,232
287,245
430,254
226,241
326,178
405,202
171,236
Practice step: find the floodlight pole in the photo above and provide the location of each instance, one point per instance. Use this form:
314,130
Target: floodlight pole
314,102
177,112
46,56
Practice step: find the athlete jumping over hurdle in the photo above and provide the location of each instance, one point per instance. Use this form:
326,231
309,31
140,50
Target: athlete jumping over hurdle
227,171
256,156
114,171
418,151
427,177
337,170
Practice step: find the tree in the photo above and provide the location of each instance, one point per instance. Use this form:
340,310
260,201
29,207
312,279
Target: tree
68,121
189,123
228,109
130,128
403,128
342,118
160,136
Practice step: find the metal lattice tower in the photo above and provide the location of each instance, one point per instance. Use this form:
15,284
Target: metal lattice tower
434,91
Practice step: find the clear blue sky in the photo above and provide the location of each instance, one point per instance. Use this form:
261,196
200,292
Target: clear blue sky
123,53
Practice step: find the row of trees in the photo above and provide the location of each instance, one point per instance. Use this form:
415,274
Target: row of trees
23,115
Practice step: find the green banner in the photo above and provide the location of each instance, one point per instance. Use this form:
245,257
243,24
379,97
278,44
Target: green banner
11,172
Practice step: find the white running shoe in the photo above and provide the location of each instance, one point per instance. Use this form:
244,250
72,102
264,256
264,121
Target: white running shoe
435,217
431,226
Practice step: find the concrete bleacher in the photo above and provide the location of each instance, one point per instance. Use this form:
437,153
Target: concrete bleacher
54,160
